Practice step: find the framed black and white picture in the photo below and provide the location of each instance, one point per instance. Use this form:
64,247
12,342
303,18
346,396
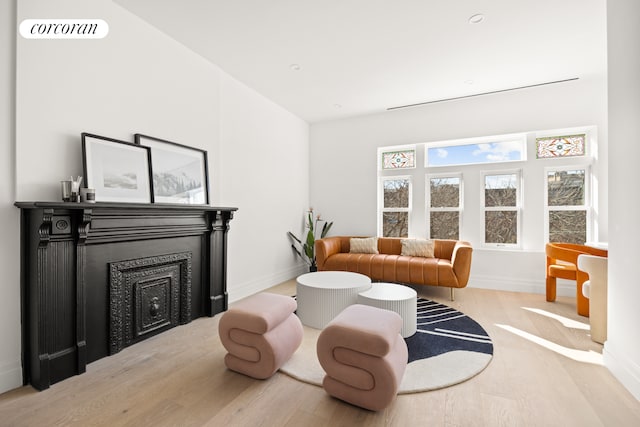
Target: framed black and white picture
180,173
119,171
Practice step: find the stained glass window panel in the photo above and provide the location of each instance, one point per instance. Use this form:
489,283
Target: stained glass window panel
405,159
560,146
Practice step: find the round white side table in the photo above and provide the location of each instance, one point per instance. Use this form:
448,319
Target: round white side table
322,295
390,296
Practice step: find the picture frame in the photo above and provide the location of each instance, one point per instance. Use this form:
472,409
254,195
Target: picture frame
119,171
180,173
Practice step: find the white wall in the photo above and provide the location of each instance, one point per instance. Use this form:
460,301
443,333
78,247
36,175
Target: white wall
265,172
137,79
134,80
622,349
343,164
10,368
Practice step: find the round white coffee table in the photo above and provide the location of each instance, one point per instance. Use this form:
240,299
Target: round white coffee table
323,295
393,297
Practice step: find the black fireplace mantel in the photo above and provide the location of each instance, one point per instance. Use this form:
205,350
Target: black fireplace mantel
69,255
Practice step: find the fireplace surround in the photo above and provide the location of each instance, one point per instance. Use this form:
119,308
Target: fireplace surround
98,277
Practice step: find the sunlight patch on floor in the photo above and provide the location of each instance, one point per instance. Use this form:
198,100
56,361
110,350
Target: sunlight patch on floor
571,353
569,323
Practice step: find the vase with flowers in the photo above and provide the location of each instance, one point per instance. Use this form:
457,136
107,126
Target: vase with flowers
305,249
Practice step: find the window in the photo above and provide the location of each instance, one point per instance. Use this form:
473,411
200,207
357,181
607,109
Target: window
396,206
560,146
485,151
566,204
501,205
444,206
474,189
404,159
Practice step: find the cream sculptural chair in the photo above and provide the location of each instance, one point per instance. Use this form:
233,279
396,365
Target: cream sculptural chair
596,290
562,263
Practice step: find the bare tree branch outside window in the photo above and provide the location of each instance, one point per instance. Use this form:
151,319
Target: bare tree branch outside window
566,189
444,225
444,216
395,224
396,193
501,226
568,226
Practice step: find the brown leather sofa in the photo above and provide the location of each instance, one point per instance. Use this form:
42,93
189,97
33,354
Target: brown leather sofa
450,266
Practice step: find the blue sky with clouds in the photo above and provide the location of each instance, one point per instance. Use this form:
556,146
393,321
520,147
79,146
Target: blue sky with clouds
475,153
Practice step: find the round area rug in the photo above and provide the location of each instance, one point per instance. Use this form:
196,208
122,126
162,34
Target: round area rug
448,348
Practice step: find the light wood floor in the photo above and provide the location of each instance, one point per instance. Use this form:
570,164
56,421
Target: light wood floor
178,379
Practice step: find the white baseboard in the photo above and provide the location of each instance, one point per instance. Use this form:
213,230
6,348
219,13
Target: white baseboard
243,290
10,376
623,368
498,283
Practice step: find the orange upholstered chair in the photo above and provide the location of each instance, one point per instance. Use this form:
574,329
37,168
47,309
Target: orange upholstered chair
562,263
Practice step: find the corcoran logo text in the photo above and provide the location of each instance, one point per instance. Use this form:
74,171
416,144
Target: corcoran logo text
63,28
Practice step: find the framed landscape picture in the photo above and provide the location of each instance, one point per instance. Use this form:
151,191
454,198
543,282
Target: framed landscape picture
180,173
119,171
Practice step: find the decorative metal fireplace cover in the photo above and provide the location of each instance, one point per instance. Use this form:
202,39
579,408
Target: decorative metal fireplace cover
146,296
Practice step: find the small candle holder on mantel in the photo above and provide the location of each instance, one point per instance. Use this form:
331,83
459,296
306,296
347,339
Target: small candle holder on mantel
88,195
71,190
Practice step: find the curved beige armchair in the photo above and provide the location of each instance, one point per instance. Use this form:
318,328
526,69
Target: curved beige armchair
596,290
562,263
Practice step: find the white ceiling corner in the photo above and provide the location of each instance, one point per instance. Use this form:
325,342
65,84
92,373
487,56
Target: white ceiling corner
359,57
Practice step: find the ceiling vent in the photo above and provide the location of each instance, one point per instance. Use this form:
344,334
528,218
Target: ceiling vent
480,94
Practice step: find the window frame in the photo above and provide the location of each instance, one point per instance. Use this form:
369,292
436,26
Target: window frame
382,209
517,208
585,141
429,209
532,224
395,150
587,205
521,138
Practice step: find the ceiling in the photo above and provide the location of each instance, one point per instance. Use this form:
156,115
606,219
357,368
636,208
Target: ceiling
331,59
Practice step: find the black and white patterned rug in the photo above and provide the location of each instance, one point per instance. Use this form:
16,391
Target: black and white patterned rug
442,329
448,348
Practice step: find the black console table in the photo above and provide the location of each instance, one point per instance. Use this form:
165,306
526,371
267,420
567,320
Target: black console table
98,277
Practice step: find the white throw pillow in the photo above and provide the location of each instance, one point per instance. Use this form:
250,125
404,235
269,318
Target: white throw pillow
417,247
367,245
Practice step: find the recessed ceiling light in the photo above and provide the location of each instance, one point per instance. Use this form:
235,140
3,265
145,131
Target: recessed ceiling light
476,19
469,82
295,67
